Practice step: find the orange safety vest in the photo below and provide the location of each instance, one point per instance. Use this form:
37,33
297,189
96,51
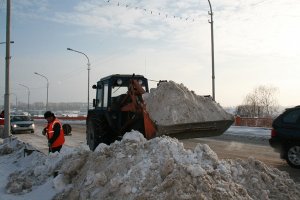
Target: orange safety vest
61,138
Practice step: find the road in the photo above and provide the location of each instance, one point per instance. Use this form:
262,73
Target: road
225,146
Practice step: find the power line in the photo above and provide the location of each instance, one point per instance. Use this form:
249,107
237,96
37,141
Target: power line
155,12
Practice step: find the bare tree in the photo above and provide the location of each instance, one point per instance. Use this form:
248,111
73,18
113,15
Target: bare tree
267,100
261,102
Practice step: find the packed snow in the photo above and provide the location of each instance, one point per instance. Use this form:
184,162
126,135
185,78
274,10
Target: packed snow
136,168
172,103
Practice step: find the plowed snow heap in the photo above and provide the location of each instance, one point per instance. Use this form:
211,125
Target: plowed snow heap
136,168
171,103
180,113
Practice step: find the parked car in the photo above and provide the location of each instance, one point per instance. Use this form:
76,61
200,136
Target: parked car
21,123
285,136
2,118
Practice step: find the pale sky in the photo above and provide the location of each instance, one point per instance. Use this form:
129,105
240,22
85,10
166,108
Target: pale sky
256,43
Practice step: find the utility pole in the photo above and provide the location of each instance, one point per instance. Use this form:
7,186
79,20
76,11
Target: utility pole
212,50
7,89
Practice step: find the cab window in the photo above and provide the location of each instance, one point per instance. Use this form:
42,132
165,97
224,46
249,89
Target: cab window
105,95
99,97
116,91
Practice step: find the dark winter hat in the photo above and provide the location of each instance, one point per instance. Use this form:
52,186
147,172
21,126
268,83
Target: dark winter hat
48,114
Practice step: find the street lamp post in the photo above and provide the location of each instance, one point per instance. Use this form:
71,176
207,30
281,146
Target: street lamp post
88,68
47,87
28,94
212,50
7,69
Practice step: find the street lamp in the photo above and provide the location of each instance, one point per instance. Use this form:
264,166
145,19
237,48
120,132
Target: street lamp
88,68
47,87
5,42
28,95
212,50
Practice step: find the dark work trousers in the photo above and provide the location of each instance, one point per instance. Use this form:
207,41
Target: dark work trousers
54,149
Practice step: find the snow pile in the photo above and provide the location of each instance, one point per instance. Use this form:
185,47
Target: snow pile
27,172
171,103
136,168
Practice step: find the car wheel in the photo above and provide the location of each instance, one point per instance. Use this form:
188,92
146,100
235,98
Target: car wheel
293,156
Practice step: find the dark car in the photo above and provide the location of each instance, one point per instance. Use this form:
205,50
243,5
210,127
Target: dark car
285,136
21,123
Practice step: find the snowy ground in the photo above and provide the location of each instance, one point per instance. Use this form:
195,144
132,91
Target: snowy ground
13,161
249,131
157,162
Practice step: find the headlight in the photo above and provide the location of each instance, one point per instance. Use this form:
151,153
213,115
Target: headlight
15,126
140,82
32,125
119,81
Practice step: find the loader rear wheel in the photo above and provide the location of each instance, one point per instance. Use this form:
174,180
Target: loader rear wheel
97,132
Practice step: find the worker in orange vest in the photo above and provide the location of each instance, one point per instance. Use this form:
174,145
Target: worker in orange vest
54,132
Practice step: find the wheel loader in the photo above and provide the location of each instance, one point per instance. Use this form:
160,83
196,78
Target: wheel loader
119,108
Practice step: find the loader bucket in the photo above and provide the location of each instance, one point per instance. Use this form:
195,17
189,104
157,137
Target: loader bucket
194,130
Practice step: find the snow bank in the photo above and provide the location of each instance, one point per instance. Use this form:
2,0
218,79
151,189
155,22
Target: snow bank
171,103
161,168
136,168
26,173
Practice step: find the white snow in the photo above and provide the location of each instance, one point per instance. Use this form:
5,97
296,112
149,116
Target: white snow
136,168
172,103
261,132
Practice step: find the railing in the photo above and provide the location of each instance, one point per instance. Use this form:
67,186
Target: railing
65,118
253,122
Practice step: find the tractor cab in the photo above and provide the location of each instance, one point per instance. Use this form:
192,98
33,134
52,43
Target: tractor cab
111,90
118,108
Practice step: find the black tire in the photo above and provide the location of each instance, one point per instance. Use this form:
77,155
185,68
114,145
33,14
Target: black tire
91,137
98,132
67,129
32,131
293,156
